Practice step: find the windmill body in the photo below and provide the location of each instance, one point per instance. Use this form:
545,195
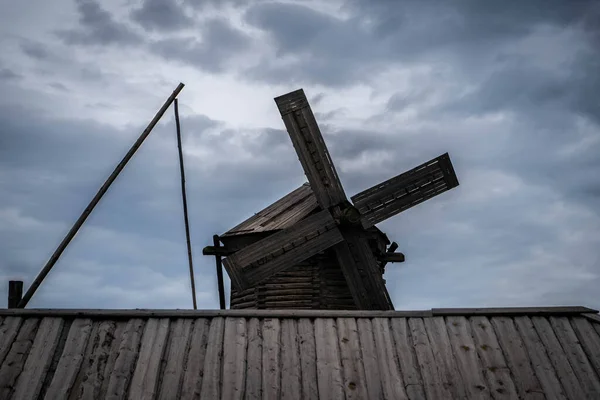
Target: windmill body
314,248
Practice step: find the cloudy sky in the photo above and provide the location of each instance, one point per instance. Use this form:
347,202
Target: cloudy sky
510,89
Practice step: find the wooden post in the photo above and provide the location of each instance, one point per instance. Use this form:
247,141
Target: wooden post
88,210
185,210
15,292
217,244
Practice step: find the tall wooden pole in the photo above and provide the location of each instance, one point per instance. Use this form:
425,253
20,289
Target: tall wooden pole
88,210
185,210
217,243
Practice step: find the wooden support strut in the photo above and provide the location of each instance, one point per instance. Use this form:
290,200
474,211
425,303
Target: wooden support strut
88,210
15,292
217,245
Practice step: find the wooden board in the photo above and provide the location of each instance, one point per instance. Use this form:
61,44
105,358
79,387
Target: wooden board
234,358
589,340
194,363
308,357
444,357
575,355
15,358
369,358
176,354
8,332
407,359
355,381
391,379
282,250
253,390
213,361
329,368
31,379
433,384
466,358
406,190
70,359
542,365
291,374
271,381
311,149
494,365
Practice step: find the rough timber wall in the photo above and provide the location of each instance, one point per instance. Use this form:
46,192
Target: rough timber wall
294,355
317,283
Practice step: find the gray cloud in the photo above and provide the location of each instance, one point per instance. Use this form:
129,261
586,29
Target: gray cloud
98,27
8,75
161,15
218,44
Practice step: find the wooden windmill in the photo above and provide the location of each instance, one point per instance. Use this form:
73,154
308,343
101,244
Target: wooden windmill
313,248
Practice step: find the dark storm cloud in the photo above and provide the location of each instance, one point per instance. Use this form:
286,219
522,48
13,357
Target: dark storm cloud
161,15
338,52
36,50
219,42
98,27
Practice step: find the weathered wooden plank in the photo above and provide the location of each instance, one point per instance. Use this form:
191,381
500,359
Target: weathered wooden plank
355,381
271,380
312,152
38,361
432,381
282,250
517,359
367,288
291,387
95,363
8,333
442,352
407,360
391,379
492,360
588,380
194,364
16,357
406,190
589,339
369,355
329,368
127,353
592,316
70,360
234,358
211,382
253,390
177,350
511,311
129,314
144,382
308,357
559,360
539,359
466,359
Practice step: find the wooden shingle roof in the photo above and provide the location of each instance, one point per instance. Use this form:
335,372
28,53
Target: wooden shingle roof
282,214
506,353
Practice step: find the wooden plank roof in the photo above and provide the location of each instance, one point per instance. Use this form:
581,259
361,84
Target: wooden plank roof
502,353
284,213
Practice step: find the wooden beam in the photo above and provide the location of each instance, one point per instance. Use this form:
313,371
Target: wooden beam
311,149
391,257
15,293
184,200
216,251
219,265
145,313
88,210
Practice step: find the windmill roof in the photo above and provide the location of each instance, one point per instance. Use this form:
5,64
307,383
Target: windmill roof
435,354
282,214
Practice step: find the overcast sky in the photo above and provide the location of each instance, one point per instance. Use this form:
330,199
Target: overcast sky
510,89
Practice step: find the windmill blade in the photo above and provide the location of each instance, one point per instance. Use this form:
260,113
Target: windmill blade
282,250
405,190
311,149
362,272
